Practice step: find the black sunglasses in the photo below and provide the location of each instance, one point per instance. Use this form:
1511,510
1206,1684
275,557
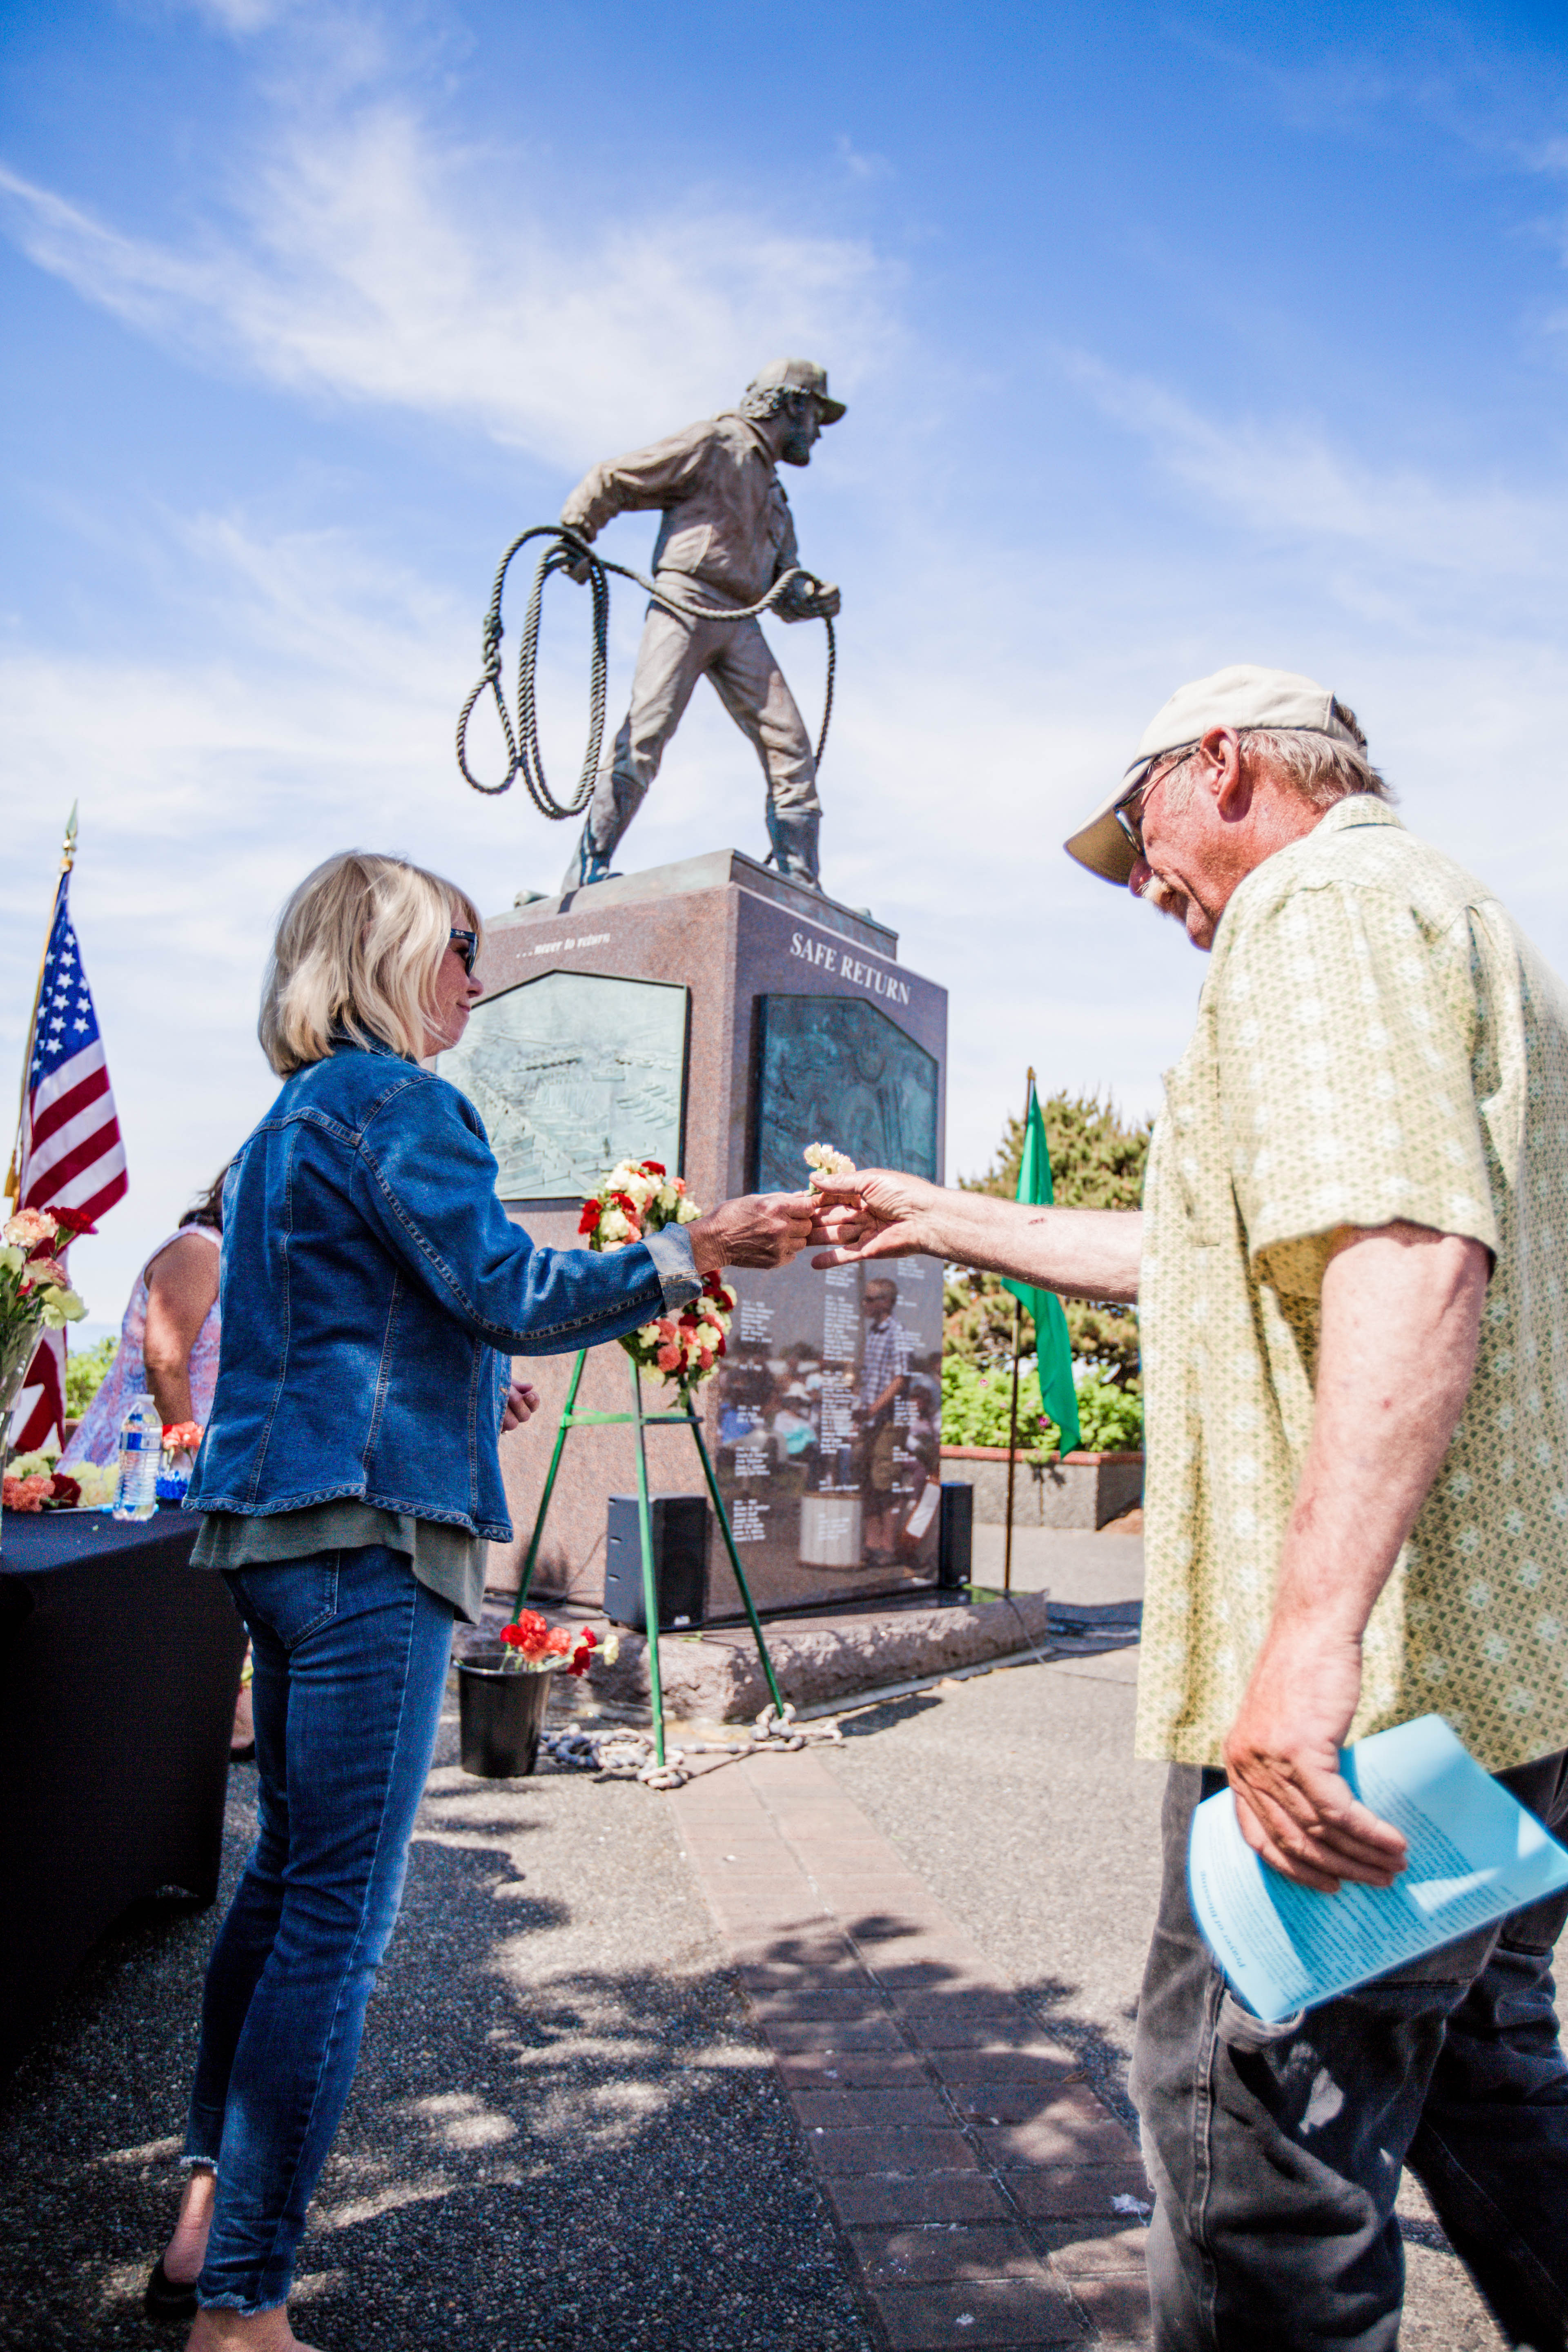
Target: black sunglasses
468,946
1129,812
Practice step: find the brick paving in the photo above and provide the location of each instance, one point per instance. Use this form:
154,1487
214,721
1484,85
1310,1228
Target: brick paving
974,2173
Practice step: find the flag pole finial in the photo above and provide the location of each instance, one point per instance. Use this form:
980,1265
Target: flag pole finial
68,846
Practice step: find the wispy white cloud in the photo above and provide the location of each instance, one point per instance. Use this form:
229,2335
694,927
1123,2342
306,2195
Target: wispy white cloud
861,164
365,261
1287,478
241,18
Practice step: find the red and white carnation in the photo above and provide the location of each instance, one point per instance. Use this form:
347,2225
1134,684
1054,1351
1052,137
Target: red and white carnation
533,1647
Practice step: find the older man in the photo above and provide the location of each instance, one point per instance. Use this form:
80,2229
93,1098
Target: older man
1350,1275
727,535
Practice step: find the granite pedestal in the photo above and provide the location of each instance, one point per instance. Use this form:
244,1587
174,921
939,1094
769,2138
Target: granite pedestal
717,1018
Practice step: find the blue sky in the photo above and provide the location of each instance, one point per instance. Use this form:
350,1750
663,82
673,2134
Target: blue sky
1171,337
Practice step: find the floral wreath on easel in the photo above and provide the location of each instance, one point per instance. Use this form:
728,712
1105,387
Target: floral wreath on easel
637,1198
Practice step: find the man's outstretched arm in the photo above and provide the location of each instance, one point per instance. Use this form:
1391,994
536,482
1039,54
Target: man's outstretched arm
1082,1253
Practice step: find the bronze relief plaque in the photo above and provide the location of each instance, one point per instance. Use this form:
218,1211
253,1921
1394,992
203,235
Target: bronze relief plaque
833,1069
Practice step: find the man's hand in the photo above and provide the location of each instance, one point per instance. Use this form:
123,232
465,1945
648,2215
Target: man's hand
765,1229
875,1214
522,1405
1282,1758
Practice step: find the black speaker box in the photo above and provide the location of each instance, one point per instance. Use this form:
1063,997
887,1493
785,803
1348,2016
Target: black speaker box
955,1543
679,1562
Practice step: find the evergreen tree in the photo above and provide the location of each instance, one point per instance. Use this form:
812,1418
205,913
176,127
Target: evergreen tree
1097,1162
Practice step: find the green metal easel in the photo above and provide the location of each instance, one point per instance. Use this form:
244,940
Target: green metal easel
640,1420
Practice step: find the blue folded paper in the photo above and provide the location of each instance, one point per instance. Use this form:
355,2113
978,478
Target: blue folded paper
1475,1854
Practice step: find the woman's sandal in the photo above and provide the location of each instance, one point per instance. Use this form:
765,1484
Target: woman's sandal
167,2298
242,1755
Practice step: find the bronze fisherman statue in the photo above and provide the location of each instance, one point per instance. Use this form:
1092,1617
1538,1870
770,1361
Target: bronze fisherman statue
726,537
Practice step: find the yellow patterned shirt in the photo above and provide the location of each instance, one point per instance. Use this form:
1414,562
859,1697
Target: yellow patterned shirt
1376,1040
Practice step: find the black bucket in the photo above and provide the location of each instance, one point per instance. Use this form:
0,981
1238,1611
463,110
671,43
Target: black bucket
502,1716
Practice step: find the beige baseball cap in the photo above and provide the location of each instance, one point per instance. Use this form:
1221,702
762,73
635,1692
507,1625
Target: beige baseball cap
799,375
1241,696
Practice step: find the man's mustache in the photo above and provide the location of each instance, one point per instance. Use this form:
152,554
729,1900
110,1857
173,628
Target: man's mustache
1163,899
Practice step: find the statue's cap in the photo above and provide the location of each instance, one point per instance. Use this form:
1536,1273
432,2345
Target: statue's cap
799,375
1244,695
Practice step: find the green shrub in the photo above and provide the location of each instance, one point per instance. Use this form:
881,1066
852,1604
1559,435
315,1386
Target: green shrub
85,1375
1111,1418
976,1405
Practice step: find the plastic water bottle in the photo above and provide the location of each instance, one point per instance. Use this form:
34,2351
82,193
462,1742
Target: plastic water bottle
141,1451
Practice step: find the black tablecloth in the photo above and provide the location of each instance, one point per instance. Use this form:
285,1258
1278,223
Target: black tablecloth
118,1663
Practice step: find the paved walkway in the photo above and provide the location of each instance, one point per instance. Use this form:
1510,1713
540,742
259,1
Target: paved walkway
987,2196
856,2088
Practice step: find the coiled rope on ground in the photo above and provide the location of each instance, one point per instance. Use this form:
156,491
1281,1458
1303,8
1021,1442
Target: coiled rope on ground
522,736
626,1755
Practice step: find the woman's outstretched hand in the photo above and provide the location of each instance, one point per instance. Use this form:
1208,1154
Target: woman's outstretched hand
876,1214
765,1229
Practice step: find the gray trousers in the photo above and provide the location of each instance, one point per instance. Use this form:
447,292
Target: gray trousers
1275,2150
673,655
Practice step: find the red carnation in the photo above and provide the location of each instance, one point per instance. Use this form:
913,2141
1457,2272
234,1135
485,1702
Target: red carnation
72,1223
64,1491
588,1223
653,1168
527,1633
629,1208
719,1351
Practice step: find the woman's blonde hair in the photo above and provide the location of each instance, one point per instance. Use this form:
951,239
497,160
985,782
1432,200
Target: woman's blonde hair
356,954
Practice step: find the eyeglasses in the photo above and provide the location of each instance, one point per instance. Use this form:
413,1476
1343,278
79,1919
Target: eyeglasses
468,946
1129,812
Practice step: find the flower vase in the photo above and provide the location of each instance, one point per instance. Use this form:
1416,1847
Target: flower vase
501,1713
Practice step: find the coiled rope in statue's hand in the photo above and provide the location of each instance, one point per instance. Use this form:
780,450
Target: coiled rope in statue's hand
565,553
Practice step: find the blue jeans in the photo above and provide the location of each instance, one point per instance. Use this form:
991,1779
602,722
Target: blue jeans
1275,2150
351,1663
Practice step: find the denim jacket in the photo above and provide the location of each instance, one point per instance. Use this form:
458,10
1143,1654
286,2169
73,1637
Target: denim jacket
373,1292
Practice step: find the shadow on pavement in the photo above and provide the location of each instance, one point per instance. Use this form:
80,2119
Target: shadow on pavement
564,2132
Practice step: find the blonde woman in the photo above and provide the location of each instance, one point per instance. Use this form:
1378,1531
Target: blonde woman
373,1294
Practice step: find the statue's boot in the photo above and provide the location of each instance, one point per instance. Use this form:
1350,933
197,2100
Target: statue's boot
794,836
588,863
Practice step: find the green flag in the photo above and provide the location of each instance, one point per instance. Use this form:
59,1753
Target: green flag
1053,1349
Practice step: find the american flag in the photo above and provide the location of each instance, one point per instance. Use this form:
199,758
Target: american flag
70,1154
